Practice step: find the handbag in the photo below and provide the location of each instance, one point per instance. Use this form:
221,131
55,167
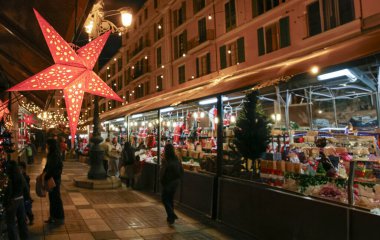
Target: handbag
50,184
40,190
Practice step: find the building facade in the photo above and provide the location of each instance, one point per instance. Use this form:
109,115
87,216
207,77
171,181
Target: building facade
176,44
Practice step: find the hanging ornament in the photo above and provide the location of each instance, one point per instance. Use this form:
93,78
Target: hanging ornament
4,111
28,119
71,72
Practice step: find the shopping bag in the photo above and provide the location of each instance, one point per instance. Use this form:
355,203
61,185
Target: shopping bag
40,190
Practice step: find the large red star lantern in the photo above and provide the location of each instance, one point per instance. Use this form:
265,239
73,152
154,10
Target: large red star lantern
4,111
71,72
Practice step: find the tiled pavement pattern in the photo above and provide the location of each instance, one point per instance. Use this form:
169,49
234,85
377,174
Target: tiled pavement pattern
110,214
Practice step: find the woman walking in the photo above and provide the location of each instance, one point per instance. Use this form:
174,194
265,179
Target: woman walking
53,168
128,162
170,176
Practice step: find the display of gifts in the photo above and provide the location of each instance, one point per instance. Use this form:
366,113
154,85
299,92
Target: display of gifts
309,138
194,154
184,153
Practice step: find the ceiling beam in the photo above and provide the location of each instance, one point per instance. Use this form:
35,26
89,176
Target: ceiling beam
20,67
16,32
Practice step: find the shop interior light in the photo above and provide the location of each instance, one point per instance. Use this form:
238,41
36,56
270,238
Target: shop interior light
216,120
150,124
195,115
276,117
169,109
137,115
320,111
233,119
211,101
344,72
119,119
125,124
202,114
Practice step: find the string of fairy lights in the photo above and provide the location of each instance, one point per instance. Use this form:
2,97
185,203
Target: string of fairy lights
50,119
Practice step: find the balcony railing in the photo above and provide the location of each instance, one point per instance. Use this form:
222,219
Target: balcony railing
136,51
139,72
210,35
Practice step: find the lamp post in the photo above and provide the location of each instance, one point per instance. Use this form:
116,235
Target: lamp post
96,25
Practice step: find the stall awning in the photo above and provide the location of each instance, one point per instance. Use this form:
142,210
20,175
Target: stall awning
260,75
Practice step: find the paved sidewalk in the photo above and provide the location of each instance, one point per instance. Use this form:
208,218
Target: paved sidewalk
110,214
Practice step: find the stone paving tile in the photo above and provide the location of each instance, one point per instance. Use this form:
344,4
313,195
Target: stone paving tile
147,231
88,213
104,235
76,226
110,214
127,233
81,236
117,224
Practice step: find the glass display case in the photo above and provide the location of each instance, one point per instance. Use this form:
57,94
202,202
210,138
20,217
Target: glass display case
142,133
191,128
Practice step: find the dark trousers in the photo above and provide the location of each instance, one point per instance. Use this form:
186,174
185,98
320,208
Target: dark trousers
30,159
56,206
105,164
167,197
28,210
15,210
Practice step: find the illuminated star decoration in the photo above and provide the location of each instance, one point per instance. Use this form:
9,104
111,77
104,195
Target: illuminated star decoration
71,72
4,111
28,119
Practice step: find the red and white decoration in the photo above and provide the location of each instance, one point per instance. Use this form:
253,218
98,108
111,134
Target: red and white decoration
71,72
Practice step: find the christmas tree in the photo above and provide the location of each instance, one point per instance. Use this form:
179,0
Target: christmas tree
252,131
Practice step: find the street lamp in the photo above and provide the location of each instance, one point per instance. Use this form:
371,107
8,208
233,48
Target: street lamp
95,25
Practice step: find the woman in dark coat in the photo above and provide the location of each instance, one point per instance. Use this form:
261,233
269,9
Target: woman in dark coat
53,168
14,203
128,161
170,176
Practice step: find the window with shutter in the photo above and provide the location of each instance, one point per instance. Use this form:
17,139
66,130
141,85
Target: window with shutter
202,30
158,83
230,14
261,6
208,63
198,5
332,13
222,54
158,57
241,51
260,41
197,66
176,53
314,19
181,74
284,32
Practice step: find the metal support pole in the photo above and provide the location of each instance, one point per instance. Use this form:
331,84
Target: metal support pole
157,180
219,157
127,129
287,103
277,111
310,105
378,99
97,170
335,116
